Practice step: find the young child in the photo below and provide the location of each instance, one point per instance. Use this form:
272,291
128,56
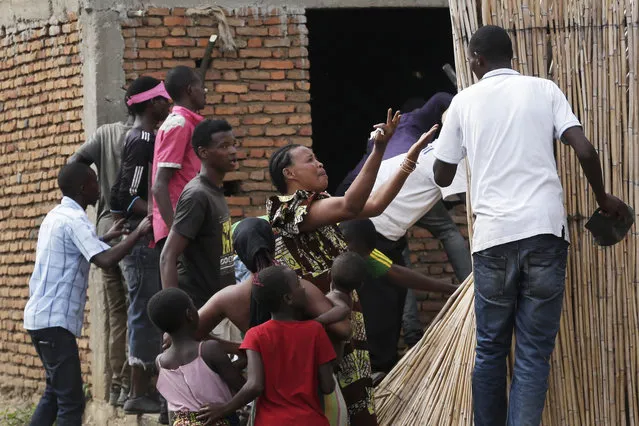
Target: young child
192,374
288,359
347,274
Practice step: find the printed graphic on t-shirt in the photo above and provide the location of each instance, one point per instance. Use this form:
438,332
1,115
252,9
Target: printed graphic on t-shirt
226,257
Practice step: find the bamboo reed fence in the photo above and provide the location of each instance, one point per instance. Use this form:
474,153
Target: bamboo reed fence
590,49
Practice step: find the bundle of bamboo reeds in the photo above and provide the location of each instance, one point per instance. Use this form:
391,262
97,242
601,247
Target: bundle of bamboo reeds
590,49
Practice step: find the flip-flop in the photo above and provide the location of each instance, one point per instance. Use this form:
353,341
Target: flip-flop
608,231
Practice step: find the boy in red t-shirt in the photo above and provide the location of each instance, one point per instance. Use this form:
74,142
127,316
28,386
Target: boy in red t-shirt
288,359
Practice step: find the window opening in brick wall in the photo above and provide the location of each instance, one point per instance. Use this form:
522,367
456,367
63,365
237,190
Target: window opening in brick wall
364,61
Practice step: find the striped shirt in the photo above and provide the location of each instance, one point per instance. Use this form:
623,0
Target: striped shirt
133,178
58,286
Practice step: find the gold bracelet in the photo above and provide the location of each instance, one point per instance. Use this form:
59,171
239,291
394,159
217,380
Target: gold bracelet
413,163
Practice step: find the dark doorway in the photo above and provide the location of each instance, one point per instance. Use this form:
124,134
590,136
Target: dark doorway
364,61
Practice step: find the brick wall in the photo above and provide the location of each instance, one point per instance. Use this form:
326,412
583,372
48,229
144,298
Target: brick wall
40,125
262,89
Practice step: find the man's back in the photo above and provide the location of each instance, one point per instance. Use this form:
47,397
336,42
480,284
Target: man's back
417,196
104,149
506,124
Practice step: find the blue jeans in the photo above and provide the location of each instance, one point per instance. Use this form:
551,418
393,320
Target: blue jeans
63,399
141,270
518,285
439,223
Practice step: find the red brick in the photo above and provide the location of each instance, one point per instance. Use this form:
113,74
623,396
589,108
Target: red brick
297,29
278,75
255,75
279,109
251,31
255,53
294,52
229,64
280,131
302,64
155,54
231,98
257,86
177,63
254,42
153,21
255,96
255,108
249,142
238,201
154,43
178,11
256,120
305,131
252,63
299,119
231,88
178,32
283,85
182,42
298,97
297,75
275,31
257,186
255,131
277,64
230,75
151,32
254,163
230,110
303,85
158,11
278,97
174,21
277,42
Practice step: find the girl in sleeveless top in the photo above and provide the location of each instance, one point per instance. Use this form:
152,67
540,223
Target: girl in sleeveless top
192,374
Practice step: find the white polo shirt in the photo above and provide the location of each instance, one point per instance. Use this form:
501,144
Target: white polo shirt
506,125
418,195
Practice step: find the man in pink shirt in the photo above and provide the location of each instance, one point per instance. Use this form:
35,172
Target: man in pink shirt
174,161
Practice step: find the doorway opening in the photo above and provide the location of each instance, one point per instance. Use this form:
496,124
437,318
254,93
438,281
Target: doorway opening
364,61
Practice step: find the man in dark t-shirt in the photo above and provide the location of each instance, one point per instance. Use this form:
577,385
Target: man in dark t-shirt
198,254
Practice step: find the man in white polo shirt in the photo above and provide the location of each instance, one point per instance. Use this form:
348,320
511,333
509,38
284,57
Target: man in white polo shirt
505,124
418,196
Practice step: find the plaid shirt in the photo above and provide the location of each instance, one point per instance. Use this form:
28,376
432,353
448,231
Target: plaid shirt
58,286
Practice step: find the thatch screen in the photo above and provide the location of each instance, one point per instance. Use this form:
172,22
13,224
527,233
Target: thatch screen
590,49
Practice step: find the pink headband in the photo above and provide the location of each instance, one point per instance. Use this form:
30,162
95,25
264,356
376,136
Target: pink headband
158,90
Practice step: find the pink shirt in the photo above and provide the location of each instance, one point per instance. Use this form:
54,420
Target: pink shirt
173,150
191,386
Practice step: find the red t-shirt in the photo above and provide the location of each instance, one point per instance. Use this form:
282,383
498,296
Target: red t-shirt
292,352
173,150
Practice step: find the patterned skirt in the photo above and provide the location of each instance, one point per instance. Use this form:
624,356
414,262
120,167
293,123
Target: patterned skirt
188,418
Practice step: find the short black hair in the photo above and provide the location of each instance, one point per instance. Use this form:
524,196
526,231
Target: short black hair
71,177
167,309
140,85
492,42
207,128
359,231
280,160
271,287
349,271
412,104
178,79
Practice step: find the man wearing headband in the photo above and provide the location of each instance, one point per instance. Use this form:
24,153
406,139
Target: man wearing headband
174,161
148,102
